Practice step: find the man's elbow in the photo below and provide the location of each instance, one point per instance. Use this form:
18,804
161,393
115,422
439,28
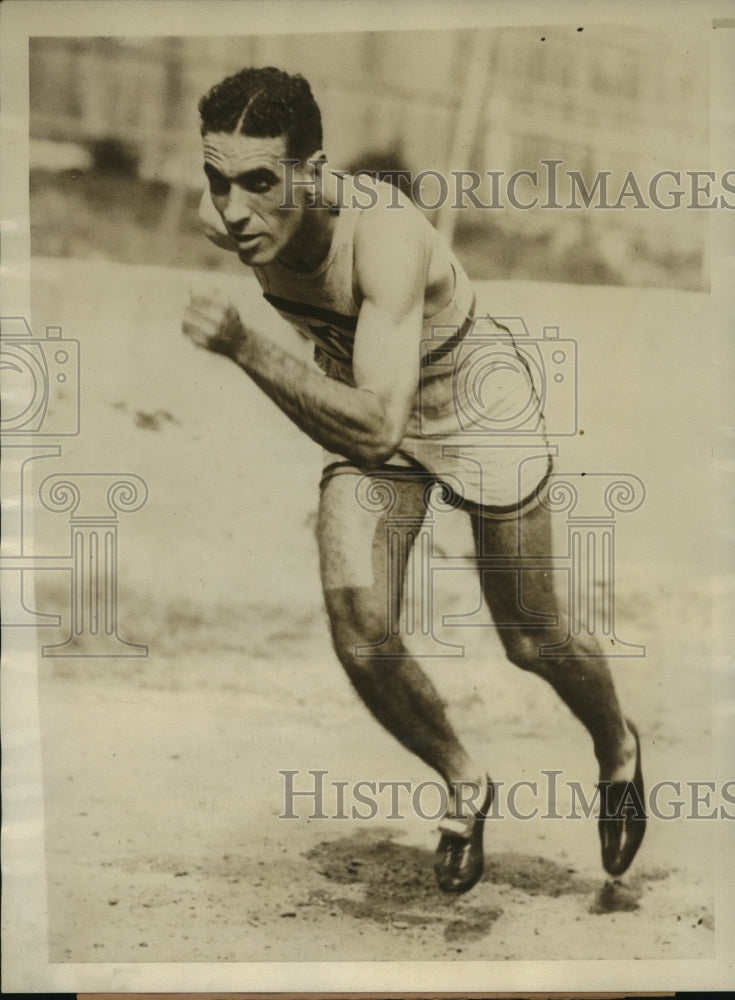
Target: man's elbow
371,459
381,447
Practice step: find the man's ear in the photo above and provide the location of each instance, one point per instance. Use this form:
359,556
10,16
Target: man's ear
315,165
317,161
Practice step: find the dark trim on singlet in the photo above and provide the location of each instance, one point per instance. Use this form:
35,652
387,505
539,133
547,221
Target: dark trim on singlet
431,357
311,312
350,323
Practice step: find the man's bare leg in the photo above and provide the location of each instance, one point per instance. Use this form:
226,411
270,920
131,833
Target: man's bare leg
355,575
582,681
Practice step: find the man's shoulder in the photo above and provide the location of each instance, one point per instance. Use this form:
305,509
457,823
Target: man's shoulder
393,242
370,195
388,221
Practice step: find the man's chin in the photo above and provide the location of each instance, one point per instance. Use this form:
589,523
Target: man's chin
257,256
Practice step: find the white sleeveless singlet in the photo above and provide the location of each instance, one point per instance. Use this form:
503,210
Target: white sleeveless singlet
473,384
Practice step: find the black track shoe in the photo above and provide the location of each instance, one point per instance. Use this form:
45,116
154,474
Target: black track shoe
459,860
622,821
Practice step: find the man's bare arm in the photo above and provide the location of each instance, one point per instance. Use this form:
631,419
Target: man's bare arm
366,422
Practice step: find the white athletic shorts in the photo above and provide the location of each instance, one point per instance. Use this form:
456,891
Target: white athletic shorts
476,427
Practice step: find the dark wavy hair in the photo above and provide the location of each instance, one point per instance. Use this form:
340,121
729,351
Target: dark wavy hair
265,103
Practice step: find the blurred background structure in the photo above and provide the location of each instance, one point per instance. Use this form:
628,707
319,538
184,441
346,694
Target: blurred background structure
116,165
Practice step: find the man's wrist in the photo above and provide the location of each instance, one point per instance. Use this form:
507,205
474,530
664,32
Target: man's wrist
232,336
243,350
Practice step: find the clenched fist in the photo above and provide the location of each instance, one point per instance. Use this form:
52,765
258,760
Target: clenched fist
213,322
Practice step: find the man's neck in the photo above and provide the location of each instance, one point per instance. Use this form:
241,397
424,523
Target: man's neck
313,241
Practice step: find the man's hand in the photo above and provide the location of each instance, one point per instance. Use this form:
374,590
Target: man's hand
212,322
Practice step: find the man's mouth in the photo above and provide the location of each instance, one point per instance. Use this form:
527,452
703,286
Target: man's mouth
246,240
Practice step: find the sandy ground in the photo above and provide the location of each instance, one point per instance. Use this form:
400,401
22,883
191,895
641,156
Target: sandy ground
163,791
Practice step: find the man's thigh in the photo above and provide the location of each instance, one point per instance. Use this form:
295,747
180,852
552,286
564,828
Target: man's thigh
367,524
515,559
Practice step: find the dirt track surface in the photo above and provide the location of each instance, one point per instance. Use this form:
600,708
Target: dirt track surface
162,774
165,842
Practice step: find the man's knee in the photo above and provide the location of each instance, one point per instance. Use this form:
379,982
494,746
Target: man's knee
524,645
529,648
358,626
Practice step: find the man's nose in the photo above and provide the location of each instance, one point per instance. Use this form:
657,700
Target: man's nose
237,210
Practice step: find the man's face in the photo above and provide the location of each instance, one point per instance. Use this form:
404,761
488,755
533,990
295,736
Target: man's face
247,185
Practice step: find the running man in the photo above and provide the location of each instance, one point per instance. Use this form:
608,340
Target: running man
357,269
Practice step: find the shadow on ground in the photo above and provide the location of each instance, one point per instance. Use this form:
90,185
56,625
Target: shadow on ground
372,877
